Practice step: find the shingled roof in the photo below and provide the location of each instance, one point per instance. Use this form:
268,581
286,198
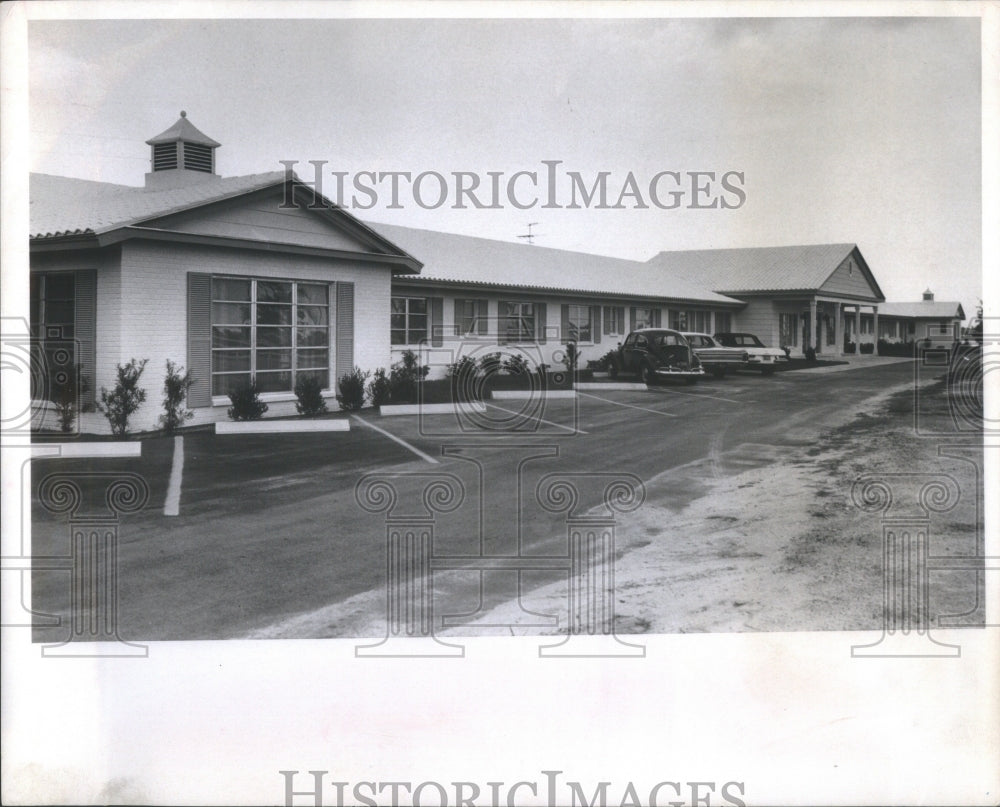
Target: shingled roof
61,206
757,269
484,262
929,309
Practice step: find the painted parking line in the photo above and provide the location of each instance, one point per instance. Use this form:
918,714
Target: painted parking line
172,505
630,406
534,417
697,395
400,440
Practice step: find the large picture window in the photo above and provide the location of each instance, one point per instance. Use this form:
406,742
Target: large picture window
517,322
269,331
408,320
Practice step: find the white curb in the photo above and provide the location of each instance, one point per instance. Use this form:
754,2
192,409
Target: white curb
431,409
527,394
281,426
621,385
81,450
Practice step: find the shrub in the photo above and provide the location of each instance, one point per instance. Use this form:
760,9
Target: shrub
868,347
309,395
125,397
490,363
176,384
464,368
66,394
462,375
351,389
247,404
378,388
850,347
515,364
571,356
810,354
604,362
405,378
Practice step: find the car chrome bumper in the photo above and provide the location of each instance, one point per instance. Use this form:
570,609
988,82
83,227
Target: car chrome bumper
666,371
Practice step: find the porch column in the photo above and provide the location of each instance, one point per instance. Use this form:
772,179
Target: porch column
875,329
838,327
857,329
813,325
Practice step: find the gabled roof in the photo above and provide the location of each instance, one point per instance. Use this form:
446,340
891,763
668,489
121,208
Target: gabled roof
754,270
931,309
468,260
183,130
62,206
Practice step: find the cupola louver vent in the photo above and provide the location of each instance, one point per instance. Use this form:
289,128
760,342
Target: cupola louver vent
164,156
198,157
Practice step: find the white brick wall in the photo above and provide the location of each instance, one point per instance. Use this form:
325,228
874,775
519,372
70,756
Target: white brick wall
153,301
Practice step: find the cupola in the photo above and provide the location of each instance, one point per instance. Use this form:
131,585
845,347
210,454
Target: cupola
181,155
928,296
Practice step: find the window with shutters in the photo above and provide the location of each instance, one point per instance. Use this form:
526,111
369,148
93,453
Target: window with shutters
52,315
578,323
644,318
408,320
470,317
517,322
269,331
614,320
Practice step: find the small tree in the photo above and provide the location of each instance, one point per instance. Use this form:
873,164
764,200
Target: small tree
515,364
176,384
125,397
571,356
66,394
309,395
378,388
351,389
247,404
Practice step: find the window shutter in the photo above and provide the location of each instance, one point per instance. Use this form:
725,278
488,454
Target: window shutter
483,313
595,323
437,320
631,319
199,338
345,330
459,315
656,317
621,321
564,324
85,329
540,323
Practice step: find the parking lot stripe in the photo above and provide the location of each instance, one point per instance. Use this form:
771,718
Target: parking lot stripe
540,420
631,406
399,440
172,505
697,395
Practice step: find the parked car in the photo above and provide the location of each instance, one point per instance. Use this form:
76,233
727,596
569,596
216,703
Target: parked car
759,356
657,353
715,358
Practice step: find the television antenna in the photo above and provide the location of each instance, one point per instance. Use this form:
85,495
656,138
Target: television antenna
530,236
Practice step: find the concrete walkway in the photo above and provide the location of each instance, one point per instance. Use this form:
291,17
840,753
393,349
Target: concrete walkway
854,362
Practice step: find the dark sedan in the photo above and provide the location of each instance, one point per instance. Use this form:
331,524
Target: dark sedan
657,353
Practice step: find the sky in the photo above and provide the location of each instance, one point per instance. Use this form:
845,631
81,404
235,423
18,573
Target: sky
863,130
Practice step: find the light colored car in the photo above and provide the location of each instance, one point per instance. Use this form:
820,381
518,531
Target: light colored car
759,356
715,358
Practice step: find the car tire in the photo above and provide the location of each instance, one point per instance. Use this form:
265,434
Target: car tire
647,375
